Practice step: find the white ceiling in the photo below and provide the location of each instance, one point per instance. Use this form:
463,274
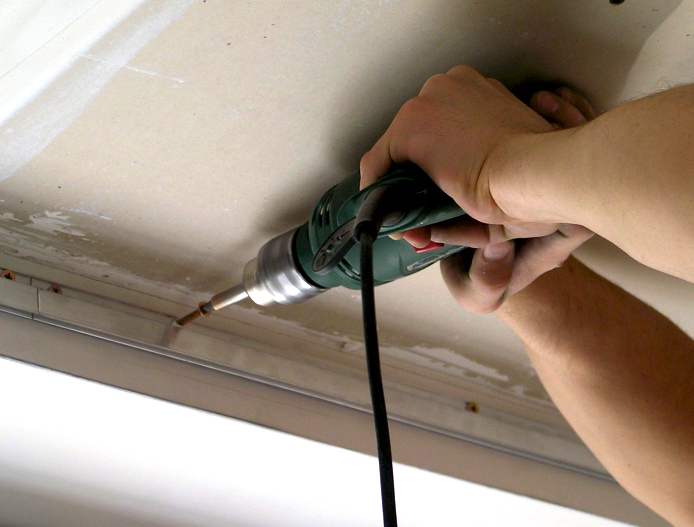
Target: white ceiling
166,144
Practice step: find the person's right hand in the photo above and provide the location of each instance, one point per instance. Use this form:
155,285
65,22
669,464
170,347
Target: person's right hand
498,270
450,131
459,130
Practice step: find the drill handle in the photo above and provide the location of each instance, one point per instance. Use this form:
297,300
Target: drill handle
415,200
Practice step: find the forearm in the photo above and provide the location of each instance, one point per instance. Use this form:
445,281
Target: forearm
628,176
622,375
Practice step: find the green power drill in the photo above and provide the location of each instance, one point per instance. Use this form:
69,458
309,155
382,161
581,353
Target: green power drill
321,253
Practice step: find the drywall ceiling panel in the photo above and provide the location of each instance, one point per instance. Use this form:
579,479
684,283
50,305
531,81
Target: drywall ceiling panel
41,38
193,131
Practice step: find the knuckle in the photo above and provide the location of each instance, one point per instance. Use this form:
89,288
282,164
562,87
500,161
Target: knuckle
497,84
413,109
463,70
435,83
566,93
409,107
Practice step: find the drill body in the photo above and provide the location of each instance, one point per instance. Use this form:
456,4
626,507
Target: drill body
286,269
323,253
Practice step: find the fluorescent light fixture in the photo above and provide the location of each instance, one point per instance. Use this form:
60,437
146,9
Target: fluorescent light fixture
106,451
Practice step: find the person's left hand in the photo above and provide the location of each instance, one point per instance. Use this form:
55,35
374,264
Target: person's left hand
500,268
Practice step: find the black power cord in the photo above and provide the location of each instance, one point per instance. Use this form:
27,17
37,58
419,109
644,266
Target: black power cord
373,212
373,365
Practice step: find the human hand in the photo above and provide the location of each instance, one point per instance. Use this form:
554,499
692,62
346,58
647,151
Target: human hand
502,268
451,130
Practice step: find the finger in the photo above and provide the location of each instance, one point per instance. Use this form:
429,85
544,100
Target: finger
465,231
578,101
520,229
408,138
540,255
551,106
419,237
461,231
376,162
465,73
483,287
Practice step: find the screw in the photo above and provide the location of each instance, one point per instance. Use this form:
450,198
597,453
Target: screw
188,318
204,309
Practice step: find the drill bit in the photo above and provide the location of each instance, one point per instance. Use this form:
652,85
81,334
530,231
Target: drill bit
217,302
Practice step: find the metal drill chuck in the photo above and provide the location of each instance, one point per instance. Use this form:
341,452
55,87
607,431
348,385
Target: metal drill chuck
274,277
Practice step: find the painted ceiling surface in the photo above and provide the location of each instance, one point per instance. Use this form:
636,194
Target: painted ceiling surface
158,149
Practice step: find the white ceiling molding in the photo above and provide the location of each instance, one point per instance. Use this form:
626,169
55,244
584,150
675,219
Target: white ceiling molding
115,458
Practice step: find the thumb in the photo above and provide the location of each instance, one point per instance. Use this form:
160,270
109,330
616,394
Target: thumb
481,288
540,255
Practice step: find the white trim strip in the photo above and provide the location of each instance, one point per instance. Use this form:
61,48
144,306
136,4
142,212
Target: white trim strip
344,384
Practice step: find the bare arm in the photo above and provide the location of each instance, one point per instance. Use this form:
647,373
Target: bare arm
628,176
622,375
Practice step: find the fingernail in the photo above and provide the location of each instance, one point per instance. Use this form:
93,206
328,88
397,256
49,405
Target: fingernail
496,251
547,103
